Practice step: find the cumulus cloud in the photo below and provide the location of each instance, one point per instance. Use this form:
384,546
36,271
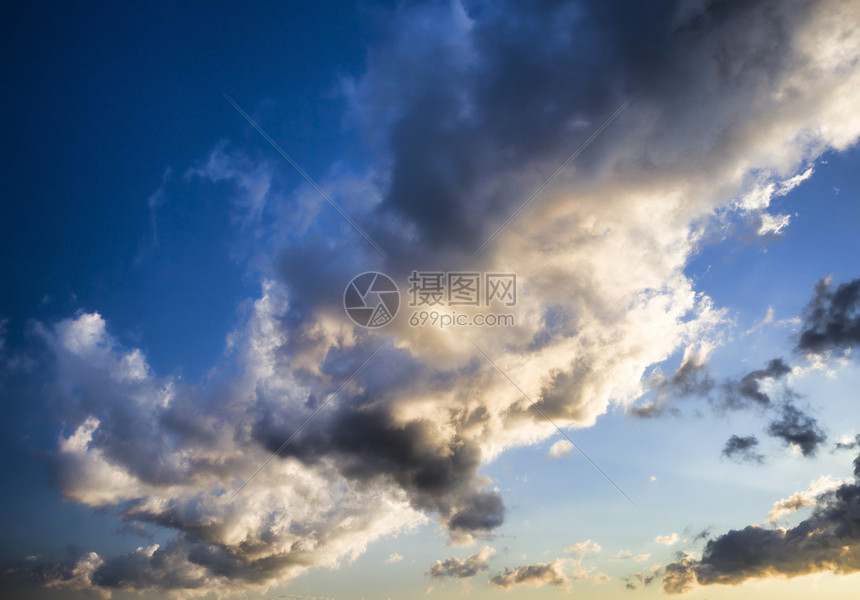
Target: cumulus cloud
742,449
729,99
827,541
668,540
460,568
535,575
73,571
798,429
692,378
559,449
581,549
157,452
831,320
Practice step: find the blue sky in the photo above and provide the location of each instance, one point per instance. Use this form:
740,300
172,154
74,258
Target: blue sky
172,301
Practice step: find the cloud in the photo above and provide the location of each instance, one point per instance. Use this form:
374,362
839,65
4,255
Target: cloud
668,540
3,333
796,428
158,198
727,99
742,449
679,577
809,497
848,444
252,181
461,568
535,575
154,451
773,224
831,320
761,197
826,541
580,549
73,571
559,449
693,379
753,390
627,554
394,557
643,578
749,387
690,379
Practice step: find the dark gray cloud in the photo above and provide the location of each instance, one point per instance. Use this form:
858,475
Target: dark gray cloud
791,424
42,569
368,445
748,388
460,568
693,379
831,320
742,449
798,428
537,575
828,540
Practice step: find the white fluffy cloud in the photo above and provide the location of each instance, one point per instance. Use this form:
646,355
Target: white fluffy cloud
559,449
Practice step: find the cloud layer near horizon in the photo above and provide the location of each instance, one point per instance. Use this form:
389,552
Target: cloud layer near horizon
826,541
467,112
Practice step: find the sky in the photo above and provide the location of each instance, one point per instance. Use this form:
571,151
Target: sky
430,300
